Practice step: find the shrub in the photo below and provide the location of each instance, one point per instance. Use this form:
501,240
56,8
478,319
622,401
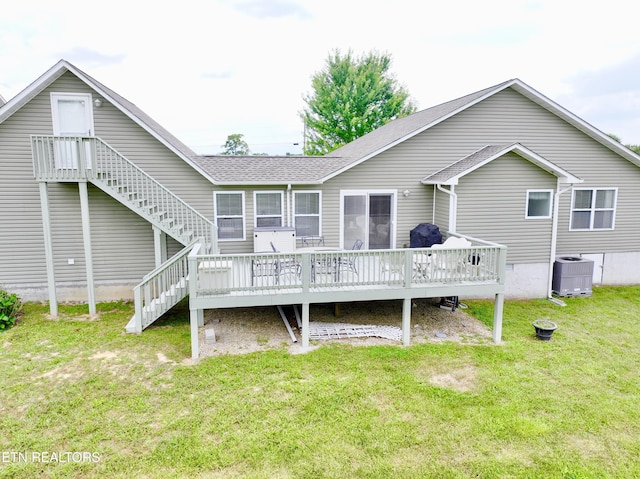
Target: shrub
10,306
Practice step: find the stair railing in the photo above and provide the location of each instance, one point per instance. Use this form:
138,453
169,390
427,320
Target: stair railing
91,158
161,290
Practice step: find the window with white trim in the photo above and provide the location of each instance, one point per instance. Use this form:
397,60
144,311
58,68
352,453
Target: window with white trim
539,204
229,215
593,208
269,209
306,206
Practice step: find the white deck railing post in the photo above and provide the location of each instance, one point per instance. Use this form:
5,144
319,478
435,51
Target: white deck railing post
137,297
195,315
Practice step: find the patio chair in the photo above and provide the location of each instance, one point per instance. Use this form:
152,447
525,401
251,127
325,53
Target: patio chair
311,241
348,263
324,269
392,266
451,262
264,272
287,267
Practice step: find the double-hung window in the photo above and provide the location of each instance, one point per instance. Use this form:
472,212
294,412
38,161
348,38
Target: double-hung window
269,209
229,215
593,208
307,213
539,204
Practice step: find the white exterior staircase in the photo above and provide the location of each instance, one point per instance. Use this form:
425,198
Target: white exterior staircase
72,159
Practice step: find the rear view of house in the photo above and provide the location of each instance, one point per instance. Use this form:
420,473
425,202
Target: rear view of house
100,202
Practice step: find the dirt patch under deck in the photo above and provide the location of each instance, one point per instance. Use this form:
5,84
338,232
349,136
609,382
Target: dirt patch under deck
245,330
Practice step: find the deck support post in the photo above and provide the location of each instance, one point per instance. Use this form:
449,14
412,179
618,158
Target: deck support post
88,255
498,307
48,249
406,321
305,326
159,245
195,317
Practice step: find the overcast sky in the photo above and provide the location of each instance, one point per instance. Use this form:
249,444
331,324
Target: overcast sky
208,69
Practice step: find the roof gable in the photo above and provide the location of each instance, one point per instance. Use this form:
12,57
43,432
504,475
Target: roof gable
125,106
450,175
402,129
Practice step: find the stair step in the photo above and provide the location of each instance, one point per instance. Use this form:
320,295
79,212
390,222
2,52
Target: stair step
131,325
160,305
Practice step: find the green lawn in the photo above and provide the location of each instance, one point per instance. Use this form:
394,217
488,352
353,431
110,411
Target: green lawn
567,408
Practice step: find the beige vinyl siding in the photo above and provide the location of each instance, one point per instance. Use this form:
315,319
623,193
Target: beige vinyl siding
122,242
22,258
505,118
399,169
492,204
442,208
132,141
509,117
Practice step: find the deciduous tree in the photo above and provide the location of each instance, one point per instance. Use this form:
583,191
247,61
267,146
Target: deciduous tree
235,145
351,97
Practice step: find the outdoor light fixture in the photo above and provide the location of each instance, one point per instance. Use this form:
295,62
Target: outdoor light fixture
97,102
406,192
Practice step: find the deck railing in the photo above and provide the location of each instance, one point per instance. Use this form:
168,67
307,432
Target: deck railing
308,271
76,158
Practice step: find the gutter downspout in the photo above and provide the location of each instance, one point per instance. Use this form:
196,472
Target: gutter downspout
289,220
433,212
554,240
453,207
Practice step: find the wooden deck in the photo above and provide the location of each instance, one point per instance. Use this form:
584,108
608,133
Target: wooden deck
310,276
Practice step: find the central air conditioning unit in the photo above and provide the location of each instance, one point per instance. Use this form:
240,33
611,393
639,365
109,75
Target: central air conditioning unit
572,276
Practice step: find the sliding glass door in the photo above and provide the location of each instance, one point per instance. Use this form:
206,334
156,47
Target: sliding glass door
369,217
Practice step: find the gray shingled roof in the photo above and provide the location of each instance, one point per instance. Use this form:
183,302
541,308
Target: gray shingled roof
398,130
126,106
450,174
133,109
260,170
308,170
464,165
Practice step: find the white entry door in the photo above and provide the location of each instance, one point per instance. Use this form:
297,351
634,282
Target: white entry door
72,117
